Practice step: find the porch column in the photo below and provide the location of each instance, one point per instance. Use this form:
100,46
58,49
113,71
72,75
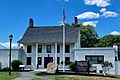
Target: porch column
36,56
55,59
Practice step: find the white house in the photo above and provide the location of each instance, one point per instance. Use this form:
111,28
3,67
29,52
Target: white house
44,44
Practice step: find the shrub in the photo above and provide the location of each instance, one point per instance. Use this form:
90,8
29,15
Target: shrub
6,69
15,64
66,62
72,66
106,65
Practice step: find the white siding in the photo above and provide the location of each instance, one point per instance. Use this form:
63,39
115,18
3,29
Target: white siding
108,53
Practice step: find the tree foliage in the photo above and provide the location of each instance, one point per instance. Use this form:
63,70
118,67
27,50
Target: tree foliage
109,41
88,36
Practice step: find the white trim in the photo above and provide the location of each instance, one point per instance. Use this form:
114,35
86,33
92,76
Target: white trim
55,60
36,55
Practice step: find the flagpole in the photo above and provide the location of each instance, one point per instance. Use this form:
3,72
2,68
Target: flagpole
63,19
63,46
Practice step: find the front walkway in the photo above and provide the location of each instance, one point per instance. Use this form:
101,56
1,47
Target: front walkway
30,75
26,76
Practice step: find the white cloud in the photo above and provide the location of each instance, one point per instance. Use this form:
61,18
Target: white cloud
115,33
103,10
109,14
7,45
91,23
66,0
88,15
99,3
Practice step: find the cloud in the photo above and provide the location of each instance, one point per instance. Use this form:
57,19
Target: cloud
99,3
7,45
66,0
107,14
88,15
91,23
115,33
103,10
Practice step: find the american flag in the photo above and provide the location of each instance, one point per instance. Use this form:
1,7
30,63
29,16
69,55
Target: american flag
64,15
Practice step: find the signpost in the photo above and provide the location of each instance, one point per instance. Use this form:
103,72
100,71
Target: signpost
82,67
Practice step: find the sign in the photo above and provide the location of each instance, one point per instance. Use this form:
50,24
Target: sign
82,66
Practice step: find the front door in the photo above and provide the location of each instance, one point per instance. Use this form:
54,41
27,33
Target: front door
47,60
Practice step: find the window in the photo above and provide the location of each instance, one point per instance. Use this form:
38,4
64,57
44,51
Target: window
29,49
39,60
67,60
58,60
39,48
67,48
58,48
95,59
48,48
28,61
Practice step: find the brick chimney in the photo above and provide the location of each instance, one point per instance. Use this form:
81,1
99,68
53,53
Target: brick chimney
31,22
76,22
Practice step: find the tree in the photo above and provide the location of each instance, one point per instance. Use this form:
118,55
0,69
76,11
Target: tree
106,66
88,36
109,41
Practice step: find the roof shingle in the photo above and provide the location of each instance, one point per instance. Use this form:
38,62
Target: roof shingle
49,34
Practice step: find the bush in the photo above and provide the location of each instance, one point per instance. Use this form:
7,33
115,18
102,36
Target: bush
66,62
72,66
6,69
15,64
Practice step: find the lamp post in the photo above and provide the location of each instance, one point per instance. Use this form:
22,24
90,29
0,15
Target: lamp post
10,38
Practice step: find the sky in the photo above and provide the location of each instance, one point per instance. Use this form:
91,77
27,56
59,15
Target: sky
104,15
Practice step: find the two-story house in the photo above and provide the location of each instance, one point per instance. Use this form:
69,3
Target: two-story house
44,44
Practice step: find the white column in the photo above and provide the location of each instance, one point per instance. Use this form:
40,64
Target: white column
36,56
55,59
63,48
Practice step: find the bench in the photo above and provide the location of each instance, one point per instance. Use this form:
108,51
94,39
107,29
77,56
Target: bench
21,67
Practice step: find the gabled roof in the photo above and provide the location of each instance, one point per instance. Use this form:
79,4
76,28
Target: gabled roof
49,34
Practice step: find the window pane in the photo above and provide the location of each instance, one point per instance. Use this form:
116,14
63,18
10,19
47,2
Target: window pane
39,60
58,60
39,48
28,61
67,60
58,48
67,48
87,58
29,49
48,48
95,59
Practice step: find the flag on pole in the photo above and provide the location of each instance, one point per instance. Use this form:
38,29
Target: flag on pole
64,15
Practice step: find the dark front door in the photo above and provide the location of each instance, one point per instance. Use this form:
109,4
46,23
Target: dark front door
47,60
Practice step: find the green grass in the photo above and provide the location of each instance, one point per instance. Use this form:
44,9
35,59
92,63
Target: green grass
6,76
77,77
36,79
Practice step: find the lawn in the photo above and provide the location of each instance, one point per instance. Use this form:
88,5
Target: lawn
76,77
6,76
